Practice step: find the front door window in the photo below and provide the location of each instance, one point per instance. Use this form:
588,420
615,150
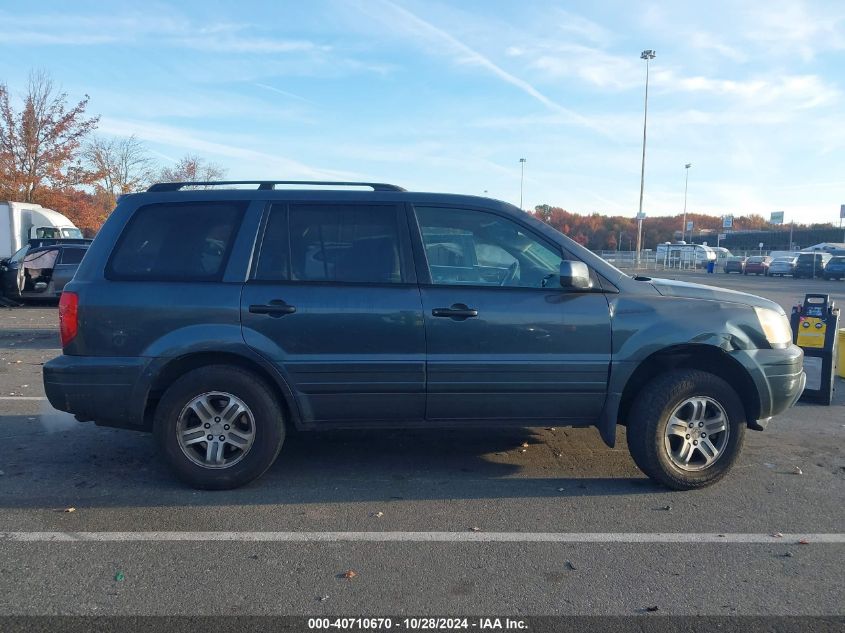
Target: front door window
466,247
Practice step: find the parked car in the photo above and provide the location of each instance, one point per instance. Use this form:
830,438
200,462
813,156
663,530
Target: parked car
220,319
757,265
735,265
835,268
40,272
781,266
811,264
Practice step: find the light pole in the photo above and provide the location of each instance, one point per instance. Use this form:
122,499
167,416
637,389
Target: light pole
647,55
521,179
686,184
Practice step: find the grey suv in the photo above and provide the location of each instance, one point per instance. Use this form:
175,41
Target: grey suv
220,318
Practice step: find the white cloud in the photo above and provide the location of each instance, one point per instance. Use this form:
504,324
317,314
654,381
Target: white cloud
702,40
441,41
284,93
789,28
582,28
259,45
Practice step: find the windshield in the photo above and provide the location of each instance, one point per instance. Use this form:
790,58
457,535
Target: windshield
72,233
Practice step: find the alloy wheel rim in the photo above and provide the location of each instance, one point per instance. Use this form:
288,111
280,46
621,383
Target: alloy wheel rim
215,430
696,434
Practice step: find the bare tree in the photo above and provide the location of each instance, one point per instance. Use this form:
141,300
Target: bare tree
40,145
122,166
192,168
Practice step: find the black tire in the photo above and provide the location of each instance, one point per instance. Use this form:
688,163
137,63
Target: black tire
649,416
269,426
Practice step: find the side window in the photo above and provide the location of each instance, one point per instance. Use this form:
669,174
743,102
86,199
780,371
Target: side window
72,255
464,246
274,257
176,242
345,242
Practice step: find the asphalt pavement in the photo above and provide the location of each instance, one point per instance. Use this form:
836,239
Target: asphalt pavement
496,522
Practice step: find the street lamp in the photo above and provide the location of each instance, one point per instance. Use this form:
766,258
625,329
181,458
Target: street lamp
647,55
521,179
686,184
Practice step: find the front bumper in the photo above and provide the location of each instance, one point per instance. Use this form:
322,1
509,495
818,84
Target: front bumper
103,389
779,377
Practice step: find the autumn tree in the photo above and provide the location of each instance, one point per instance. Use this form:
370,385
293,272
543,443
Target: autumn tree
122,166
192,168
40,146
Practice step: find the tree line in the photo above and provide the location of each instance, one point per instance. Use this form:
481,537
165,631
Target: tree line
604,232
51,155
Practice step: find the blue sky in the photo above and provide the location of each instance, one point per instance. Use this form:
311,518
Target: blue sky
448,96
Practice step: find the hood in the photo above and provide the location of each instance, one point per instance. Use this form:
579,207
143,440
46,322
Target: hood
674,288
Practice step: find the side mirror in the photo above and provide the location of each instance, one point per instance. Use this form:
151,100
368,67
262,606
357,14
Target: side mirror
575,275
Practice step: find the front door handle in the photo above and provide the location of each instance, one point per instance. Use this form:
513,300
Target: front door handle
457,311
275,308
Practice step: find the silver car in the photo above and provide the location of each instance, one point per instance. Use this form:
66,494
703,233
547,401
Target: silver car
781,266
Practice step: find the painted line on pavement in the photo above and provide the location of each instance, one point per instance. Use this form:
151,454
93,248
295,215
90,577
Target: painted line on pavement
23,398
428,537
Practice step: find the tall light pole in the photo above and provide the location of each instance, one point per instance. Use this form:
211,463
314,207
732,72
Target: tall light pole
647,55
521,179
686,184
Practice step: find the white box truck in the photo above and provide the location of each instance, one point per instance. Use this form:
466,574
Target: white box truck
21,222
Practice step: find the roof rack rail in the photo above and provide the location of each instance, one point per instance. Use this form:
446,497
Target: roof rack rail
265,185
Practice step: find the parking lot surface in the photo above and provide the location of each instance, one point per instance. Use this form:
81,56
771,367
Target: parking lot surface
524,522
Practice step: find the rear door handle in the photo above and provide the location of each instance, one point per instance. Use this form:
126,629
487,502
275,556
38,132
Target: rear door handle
275,308
457,311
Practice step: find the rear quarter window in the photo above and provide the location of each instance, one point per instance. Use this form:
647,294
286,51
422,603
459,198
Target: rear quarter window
72,255
188,241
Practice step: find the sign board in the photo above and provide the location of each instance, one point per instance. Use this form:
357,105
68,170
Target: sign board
641,215
722,236
760,246
689,226
776,217
842,211
728,222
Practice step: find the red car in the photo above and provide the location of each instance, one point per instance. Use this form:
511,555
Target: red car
757,265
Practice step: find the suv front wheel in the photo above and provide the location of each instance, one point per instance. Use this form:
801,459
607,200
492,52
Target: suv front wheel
686,429
219,427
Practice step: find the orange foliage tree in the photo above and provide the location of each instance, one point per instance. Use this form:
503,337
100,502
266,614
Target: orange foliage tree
40,144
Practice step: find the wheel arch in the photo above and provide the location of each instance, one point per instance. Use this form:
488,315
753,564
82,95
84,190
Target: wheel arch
709,358
176,367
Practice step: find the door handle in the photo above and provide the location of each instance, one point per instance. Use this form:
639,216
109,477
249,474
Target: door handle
275,308
457,311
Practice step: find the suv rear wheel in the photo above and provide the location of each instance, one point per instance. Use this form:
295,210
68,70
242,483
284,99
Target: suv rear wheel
686,429
219,427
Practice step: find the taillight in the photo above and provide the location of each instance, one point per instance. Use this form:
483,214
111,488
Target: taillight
68,317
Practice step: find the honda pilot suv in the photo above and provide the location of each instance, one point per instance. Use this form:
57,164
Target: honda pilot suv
222,318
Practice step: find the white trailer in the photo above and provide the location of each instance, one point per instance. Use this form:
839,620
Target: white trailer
684,255
22,221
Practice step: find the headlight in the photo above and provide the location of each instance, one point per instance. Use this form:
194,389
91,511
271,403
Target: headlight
775,326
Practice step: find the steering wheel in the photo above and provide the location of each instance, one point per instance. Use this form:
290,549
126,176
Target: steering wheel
510,275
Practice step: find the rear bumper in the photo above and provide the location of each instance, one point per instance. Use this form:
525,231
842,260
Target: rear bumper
103,389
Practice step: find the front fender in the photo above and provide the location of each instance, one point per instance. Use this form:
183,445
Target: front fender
647,325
